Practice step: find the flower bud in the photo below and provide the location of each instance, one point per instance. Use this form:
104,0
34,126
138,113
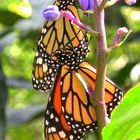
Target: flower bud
130,2
122,31
86,4
51,13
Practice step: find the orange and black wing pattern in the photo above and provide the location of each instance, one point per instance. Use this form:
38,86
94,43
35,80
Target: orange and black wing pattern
113,94
57,36
76,104
71,105
56,125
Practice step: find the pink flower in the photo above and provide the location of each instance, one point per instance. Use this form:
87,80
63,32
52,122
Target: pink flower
120,32
130,2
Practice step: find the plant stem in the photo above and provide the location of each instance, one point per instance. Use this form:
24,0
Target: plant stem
101,69
102,5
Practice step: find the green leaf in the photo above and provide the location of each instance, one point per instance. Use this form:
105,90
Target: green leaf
125,120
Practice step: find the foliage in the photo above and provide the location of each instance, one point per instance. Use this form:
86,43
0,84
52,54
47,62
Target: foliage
125,119
20,24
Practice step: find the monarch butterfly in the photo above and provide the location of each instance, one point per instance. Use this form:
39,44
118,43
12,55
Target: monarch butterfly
57,37
70,114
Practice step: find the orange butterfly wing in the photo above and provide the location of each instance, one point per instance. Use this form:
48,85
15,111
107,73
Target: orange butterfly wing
60,35
70,100
76,105
113,93
56,126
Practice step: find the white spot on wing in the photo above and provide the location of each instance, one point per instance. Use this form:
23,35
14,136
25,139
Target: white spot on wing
47,123
53,129
45,67
39,60
56,119
49,130
51,116
71,137
62,134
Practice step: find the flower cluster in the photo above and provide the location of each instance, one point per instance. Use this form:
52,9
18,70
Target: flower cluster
52,12
89,4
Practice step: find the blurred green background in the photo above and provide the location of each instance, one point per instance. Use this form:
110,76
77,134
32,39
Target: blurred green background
21,107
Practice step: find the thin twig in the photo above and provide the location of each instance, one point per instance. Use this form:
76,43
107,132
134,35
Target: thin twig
103,4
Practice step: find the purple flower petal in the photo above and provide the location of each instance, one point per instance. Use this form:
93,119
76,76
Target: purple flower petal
91,4
51,13
86,4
